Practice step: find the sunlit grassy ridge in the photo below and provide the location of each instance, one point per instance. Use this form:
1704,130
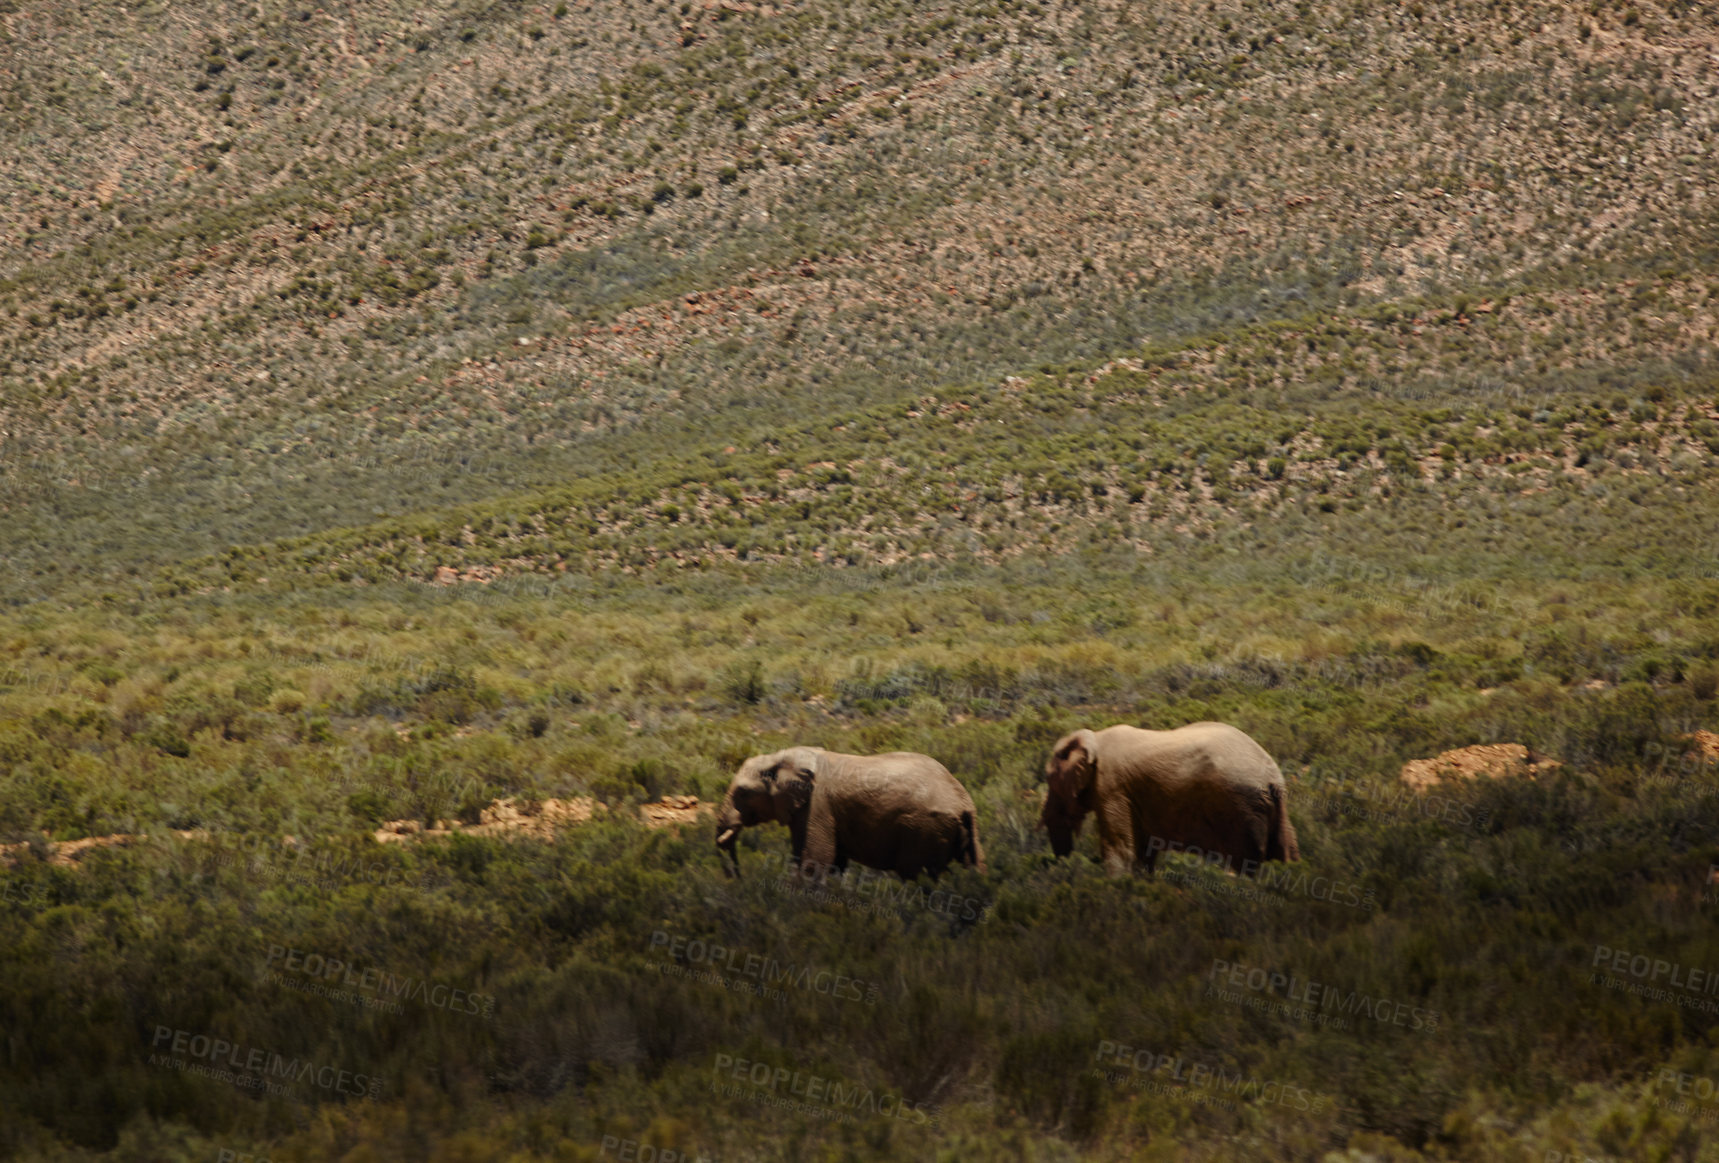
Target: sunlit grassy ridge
957,480
673,671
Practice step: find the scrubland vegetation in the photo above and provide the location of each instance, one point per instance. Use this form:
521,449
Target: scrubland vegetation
406,410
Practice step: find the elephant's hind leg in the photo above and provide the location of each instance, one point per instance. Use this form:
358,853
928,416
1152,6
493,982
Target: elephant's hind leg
1256,842
929,851
912,857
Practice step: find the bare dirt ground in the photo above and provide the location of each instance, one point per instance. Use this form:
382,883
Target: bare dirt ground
68,852
1706,743
537,820
543,818
1488,760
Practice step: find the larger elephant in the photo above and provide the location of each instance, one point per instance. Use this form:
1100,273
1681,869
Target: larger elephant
1206,788
901,812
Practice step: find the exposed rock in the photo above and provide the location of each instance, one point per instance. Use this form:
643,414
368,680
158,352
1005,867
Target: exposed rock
68,852
1491,760
536,819
541,819
1705,743
674,810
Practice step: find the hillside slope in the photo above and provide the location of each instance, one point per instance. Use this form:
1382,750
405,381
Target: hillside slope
270,270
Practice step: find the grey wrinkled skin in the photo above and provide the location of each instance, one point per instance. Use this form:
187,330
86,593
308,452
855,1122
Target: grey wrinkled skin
901,812
1206,786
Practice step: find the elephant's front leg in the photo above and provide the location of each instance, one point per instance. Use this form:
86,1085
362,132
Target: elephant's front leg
1148,844
1116,839
815,846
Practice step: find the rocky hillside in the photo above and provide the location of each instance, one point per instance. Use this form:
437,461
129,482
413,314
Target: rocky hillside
268,270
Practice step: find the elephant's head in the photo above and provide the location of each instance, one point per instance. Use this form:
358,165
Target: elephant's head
767,787
1070,770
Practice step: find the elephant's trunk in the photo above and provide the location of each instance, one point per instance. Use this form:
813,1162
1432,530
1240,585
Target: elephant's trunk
1061,840
727,833
1061,822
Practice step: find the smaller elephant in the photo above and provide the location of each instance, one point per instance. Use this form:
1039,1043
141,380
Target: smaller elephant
901,812
1206,788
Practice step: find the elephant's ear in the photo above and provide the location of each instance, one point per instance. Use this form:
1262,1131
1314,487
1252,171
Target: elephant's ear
1073,764
751,772
791,776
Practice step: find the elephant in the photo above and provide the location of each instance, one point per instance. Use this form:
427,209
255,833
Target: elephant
901,812
1206,788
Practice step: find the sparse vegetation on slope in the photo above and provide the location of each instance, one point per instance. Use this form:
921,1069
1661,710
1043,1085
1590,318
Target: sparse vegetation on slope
265,266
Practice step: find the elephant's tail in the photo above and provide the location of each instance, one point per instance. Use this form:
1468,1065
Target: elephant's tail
1280,842
971,853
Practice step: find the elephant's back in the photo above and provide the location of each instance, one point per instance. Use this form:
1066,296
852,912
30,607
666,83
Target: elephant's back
902,811
908,777
908,759
1235,754
1209,752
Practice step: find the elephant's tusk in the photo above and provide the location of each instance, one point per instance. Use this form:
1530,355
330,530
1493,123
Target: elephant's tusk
726,837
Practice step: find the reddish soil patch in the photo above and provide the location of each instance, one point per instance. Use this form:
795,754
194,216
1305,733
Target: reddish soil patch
1706,743
539,820
674,810
67,852
1488,760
